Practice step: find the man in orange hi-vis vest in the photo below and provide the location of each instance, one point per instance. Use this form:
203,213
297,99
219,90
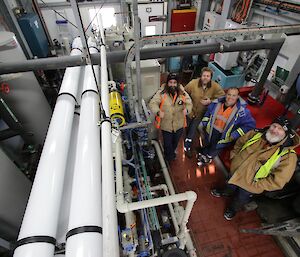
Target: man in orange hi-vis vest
226,119
171,104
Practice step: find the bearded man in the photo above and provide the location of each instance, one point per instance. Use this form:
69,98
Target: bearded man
262,160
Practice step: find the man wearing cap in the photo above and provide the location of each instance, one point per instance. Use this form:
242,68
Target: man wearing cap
262,160
202,91
171,104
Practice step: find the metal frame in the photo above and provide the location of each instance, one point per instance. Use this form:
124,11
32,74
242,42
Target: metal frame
137,34
199,35
204,7
146,53
227,6
66,4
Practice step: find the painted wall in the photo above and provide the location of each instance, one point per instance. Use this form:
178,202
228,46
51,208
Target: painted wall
14,193
59,31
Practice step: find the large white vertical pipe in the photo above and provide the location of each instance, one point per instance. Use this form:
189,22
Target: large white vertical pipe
63,220
85,222
110,223
38,230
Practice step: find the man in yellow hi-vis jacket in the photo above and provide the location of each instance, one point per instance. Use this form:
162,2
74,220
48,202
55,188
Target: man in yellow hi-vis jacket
262,160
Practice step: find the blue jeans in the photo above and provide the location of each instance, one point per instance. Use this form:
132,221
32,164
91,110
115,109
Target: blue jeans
240,196
171,140
191,131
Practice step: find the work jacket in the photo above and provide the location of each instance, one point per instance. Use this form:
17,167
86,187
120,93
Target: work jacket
174,113
238,124
247,162
197,93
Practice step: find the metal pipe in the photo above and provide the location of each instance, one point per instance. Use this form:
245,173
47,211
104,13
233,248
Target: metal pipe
49,179
7,133
13,123
119,56
259,86
138,86
110,223
86,199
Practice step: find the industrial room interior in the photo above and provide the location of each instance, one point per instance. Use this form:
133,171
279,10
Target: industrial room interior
82,166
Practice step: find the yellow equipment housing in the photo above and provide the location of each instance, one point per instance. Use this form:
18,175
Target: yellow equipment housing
116,108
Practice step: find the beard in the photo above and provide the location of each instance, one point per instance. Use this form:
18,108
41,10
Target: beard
273,139
171,90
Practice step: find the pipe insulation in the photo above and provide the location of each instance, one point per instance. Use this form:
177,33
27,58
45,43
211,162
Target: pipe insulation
39,226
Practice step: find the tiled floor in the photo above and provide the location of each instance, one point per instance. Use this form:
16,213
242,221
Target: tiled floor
215,236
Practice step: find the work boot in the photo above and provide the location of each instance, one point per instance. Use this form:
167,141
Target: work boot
203,160
219,193
187,148
229,214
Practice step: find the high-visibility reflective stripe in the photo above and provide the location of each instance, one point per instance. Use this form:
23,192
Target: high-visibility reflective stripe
157,118
222,117
265,170
163,99
205,119
252,140
240,131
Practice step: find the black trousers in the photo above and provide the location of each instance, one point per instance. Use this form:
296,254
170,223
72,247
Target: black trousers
240,196
211,148
191,131
171,140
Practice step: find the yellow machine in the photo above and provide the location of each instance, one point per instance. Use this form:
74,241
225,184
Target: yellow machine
116,108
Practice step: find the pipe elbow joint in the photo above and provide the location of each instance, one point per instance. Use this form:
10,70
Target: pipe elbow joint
191,195
122,207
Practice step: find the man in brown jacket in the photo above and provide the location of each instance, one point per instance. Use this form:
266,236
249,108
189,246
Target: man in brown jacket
202,91
262,160
171,104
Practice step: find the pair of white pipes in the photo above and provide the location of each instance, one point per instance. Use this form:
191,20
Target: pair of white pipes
39,226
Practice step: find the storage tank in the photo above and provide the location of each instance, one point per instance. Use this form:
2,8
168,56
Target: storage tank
22,92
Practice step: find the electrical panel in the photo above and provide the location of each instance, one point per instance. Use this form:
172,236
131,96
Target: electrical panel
212,21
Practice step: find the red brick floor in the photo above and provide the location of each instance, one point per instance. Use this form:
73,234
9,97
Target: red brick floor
213,235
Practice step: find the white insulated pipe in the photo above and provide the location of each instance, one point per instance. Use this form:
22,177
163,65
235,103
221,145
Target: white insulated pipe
125,207
164,188
178,209
84,237
130,218
39,226
62,226
110,222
